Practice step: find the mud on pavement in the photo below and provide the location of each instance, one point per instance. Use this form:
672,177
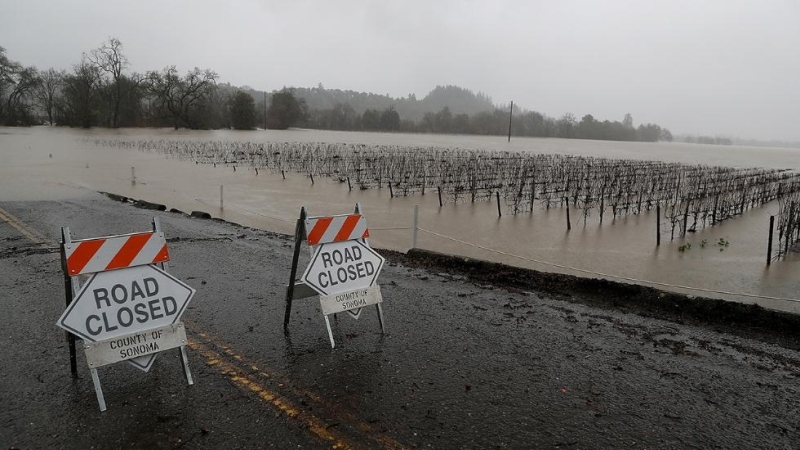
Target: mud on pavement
476,356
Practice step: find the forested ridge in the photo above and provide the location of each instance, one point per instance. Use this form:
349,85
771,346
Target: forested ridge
101,91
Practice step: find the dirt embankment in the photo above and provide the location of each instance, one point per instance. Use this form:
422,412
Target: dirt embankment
745,320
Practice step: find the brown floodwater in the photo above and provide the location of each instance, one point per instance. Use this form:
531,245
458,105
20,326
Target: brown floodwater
624,247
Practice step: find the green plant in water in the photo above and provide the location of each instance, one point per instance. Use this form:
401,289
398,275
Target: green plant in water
703,243
684,247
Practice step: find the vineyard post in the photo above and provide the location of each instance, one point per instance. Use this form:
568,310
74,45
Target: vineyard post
440,196
658,225
569,224
714,211
416,227
499,212
686,215
220,197
769,245
788,233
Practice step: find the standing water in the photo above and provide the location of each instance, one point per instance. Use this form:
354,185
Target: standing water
57,164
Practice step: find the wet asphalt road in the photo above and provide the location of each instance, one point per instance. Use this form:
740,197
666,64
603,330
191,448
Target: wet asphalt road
462,366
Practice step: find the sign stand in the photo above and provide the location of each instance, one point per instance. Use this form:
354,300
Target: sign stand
69,293
299,237
130,259
298,289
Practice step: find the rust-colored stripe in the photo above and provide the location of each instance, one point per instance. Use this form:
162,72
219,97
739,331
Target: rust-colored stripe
319,230
82,254
162,256
347,227
130,249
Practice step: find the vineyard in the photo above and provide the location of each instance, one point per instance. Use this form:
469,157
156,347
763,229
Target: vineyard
688,196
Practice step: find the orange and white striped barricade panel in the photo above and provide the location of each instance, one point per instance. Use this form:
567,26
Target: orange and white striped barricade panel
116,252
327,229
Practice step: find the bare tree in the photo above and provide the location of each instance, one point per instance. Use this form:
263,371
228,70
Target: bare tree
80,96
111,62
18,105
176,97
8,70
48,89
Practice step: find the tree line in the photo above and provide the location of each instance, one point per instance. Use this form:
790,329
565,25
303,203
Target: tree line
101,91
457,99
495,122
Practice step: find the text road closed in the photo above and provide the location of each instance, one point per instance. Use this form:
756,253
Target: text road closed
343,266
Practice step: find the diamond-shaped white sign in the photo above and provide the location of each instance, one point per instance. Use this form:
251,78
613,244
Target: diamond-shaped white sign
343,266
126,301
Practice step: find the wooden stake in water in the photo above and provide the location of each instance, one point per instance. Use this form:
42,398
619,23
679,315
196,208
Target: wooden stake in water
499,212
221,206
416,227
569,224
769,245
133,175
658,225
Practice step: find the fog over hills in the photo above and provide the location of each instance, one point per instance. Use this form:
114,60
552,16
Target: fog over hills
699,68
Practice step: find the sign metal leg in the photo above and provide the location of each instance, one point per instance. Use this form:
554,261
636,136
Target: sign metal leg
185,365
299,231
330,333
98,390
380,318
68,292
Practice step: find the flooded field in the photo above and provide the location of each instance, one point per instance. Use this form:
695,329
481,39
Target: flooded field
43,163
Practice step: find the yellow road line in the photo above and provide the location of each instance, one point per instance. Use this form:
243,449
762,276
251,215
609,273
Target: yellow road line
342,414
32,235
245,381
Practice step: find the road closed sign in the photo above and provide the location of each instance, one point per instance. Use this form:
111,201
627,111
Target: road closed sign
124,302
129,309
342,267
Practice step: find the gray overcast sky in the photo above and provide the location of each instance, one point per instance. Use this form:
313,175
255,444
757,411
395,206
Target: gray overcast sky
711,67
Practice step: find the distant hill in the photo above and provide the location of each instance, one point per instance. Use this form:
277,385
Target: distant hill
450,109
458,99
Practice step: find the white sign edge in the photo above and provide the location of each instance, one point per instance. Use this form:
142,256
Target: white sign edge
60,323
317,252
